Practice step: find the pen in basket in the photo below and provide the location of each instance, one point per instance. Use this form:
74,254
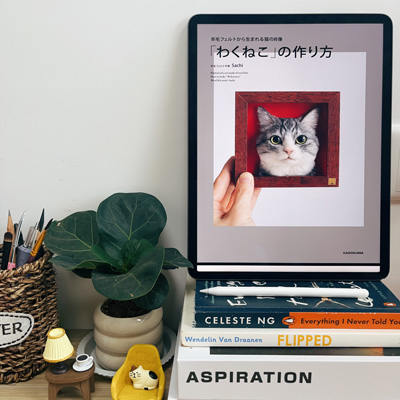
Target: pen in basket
16,250
24,250
16,243
7,245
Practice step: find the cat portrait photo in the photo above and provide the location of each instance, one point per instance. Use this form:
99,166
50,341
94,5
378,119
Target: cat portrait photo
288,138
287,146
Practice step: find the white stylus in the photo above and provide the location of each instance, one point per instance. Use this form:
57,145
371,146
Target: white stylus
246,291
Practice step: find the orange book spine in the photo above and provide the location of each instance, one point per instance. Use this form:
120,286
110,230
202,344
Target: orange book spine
312,320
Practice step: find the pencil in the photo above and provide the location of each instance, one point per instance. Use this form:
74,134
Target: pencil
11,229
10,224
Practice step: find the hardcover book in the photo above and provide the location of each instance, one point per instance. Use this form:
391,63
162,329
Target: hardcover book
241,373
191,335
380,310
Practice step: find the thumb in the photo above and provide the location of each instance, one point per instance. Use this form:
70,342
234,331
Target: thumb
242,207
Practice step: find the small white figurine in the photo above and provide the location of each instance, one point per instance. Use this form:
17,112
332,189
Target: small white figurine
143,378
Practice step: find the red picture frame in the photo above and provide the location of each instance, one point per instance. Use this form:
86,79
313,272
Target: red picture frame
289,105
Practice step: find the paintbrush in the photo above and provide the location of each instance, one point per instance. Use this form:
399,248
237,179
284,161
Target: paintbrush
38,243
40,226
7,245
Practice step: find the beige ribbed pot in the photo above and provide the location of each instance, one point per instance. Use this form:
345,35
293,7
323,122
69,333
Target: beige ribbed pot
115,336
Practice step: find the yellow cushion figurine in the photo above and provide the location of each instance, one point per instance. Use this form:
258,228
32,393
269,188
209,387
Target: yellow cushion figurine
146,382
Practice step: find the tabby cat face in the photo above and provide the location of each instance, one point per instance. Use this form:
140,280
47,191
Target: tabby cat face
287,146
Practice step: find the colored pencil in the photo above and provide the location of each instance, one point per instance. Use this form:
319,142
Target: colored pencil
10,224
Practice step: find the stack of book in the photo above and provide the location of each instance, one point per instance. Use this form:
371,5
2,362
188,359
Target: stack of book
308,348
209,320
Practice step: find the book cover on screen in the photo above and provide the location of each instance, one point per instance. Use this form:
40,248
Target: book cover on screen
380,310
288,99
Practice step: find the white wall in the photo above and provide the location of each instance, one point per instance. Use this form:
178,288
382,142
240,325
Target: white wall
93,100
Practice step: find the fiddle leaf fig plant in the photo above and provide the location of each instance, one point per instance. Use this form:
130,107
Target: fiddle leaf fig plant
117,247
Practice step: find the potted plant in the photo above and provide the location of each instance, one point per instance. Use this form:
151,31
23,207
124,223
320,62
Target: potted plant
117,247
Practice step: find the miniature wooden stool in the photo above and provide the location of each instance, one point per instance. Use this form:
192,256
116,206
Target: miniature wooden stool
84,381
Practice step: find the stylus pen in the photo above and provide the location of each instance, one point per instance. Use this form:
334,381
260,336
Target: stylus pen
245,291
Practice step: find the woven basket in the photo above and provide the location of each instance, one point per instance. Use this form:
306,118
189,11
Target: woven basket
30,289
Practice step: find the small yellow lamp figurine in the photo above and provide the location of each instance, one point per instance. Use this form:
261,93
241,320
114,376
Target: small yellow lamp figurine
58,349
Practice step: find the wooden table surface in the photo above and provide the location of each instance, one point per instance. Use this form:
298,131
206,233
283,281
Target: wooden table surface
36,388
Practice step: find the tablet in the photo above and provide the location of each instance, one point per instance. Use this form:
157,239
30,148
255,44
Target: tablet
303,103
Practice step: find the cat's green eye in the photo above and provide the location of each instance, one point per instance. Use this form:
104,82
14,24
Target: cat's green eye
275,140
301,139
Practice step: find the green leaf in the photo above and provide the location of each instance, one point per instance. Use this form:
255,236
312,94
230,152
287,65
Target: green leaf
135,283
102,255
76,237
133,250
83,273
174,259
156,297
125,216
70,263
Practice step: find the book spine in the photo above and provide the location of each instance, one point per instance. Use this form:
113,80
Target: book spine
289,338
264,377
297,320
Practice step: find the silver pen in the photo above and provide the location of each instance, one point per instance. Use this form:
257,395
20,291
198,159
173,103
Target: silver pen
280,291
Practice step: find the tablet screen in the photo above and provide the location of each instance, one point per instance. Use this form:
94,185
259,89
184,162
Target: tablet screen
302,102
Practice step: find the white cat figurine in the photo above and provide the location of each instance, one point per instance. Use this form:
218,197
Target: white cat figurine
143,378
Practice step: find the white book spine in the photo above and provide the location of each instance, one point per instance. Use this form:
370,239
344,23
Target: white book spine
290,338
287,377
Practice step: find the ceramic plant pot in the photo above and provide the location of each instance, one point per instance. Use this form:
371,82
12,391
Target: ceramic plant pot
115,336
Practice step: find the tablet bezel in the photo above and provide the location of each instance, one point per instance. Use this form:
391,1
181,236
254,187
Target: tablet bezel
385,153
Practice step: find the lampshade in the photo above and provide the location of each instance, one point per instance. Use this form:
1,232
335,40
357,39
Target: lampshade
58,347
